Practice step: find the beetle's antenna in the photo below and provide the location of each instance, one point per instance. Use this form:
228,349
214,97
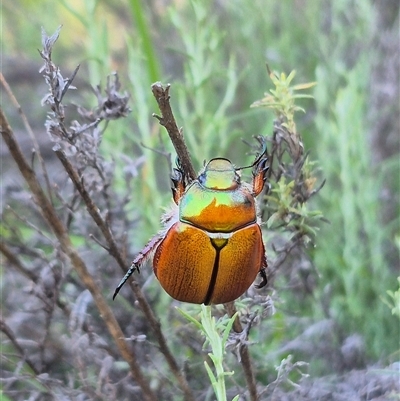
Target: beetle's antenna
242,168
259,155
124,279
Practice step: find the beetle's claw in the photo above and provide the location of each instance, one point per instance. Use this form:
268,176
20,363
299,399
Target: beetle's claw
264,281
178,182
260,168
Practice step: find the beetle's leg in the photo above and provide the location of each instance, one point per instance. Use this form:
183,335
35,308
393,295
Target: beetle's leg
262,272
260,168
264,277
179,182
139,260
259,175
178,187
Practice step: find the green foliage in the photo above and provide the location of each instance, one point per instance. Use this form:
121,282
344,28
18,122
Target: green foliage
214,57
216,334
282,99
299,217
200,105
3,396
351,257
394,300
139,16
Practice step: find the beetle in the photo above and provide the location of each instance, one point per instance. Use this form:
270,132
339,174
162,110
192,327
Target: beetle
211,248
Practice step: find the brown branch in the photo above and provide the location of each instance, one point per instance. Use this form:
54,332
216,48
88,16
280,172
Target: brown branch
282,255
244,353
90,205
167,120
28,128
24,220
61,233
9,333
14,260
117,254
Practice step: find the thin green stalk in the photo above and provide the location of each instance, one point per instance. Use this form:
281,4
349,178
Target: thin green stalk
139,16
216,334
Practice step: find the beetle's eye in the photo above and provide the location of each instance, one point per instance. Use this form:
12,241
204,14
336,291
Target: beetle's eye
202,179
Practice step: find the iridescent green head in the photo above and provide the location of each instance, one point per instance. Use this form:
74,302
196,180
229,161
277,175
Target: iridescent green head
219,174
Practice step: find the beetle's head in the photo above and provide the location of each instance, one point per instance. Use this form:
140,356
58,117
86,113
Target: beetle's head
219,174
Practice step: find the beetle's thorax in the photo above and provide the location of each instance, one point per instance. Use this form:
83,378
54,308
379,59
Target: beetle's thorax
217,201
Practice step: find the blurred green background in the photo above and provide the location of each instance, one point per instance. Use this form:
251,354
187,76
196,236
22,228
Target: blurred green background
214,55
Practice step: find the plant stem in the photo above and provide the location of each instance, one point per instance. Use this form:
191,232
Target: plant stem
116,253
244,354
167,120
60,231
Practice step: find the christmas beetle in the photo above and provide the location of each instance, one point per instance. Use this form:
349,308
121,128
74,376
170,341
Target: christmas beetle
210,249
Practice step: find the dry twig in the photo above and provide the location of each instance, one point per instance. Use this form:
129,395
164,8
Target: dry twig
62,235
167,120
